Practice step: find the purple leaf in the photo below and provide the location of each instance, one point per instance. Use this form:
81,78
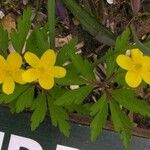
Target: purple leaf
62,13
135,4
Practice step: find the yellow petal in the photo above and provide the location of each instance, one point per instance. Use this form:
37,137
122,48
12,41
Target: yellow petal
18,76
47,82
31,59
14,60
2,76
2,61
30,75
146,77
48,58
8,86
59,72
146,62
124,62
133,78
136,55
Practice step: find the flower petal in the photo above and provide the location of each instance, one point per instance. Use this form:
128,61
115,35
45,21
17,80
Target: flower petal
48,58
2,61
124,62
146,62
47,82
30,75
146,77
14,59
59,72
8,86
31,59
133,78
18,76
136,55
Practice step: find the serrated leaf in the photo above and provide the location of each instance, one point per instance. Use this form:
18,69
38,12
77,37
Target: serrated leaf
122,41
37,42
98,105
3,40
19,90
25,100
74,96
127,99
83,109
59,117
120,77
100,110
56,92
82,65
121,123
121,46
18,37
62,56
71,78
40,109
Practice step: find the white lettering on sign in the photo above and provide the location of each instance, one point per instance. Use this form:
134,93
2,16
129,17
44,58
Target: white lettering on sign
16,142
1,139
61,147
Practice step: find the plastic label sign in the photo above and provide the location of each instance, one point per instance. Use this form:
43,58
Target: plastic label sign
16,142
60,147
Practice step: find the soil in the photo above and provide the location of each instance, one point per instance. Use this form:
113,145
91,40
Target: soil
116,17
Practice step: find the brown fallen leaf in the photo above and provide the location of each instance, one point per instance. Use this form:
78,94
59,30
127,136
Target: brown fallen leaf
9,22
61,41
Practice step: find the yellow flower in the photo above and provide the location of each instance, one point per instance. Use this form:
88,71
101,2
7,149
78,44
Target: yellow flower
43,70
137,66
10,72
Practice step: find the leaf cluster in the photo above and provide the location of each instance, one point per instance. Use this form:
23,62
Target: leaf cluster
58,102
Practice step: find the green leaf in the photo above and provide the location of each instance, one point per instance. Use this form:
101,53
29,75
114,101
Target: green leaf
121,46
122,41
40,109
100,110
59,117
120,77
121,123
25,100
74,96
19,90
147,43
83,109
57,91
98,105
63,56
37,42
82,65
3,40
51,22
140,45
18,37
71,78
128,100
90,23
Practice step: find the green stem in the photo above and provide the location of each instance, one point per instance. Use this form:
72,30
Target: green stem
51,23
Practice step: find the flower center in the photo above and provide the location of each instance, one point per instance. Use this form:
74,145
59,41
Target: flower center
137,66
8,73
41,69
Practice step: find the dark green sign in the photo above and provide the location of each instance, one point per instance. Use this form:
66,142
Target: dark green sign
15,134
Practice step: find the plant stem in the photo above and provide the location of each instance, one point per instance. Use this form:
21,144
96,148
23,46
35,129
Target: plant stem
51,23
